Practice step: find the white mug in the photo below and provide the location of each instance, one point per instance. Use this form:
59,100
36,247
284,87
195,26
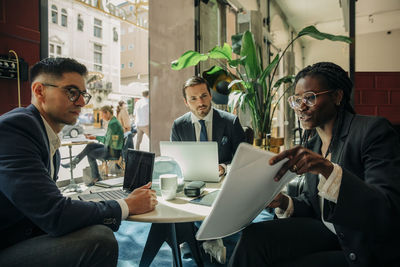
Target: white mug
168,186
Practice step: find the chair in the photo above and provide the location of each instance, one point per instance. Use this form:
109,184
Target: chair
113,158
118,157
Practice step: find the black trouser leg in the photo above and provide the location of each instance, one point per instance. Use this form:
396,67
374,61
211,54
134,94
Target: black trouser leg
284,242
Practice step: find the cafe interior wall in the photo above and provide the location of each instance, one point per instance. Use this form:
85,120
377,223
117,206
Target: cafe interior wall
171,31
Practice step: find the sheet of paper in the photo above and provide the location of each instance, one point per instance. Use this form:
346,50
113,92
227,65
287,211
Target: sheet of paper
249,187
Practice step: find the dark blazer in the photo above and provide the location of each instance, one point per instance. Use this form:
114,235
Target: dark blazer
226,131
30,202
367,214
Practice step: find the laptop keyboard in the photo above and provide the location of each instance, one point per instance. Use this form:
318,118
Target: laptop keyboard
113,195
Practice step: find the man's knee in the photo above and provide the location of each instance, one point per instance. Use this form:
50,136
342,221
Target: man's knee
100,245
100,234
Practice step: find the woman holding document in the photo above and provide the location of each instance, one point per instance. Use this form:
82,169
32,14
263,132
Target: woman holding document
349,211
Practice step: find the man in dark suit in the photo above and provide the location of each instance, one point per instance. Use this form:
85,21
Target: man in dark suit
204,123
39,226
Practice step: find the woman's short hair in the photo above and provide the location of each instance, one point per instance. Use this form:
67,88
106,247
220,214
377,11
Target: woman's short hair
107,109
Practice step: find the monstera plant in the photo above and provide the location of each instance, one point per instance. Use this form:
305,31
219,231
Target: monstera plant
255,84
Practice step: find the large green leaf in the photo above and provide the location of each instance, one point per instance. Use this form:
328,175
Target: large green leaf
269,68
214,69
188,59
236,43
224,52
314,33
234,63
249,51
286,79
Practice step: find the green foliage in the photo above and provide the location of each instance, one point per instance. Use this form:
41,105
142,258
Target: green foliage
258,89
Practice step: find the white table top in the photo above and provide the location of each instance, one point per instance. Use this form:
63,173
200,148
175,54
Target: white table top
178,210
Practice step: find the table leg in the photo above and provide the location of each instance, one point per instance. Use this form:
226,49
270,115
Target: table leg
176,253
70,165
186,232
157,236
174,234
72,187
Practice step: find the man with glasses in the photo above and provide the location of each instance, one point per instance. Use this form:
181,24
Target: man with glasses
39,226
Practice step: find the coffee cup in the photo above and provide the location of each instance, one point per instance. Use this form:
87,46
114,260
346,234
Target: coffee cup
168,186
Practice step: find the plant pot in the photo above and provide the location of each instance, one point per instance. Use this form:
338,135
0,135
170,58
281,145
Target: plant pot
269,143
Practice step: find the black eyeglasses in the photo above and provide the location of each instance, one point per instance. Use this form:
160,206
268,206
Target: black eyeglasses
73,93
308,98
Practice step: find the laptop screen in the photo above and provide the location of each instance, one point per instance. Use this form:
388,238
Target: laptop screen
138,169
198,160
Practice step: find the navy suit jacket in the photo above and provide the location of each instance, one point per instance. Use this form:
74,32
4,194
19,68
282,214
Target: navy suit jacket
30,201
366,216
226,131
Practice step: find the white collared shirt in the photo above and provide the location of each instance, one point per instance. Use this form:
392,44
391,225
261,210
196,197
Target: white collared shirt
208,122
328,188
54,143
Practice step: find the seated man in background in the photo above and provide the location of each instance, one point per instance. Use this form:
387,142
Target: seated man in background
39,226
113,142
204,123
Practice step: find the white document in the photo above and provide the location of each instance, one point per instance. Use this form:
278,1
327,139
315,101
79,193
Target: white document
248,188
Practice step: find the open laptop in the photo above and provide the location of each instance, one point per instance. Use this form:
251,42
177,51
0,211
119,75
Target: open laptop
138,172
198,160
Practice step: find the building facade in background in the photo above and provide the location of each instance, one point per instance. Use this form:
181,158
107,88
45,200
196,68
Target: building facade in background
88,32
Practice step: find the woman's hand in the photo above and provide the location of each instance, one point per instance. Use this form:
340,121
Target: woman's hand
89,136
302,160
280,201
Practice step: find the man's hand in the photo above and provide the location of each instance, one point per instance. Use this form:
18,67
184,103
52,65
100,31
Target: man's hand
141,200
302,160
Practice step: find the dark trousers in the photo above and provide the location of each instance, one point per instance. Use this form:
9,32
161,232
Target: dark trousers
93,151
288,242
91,246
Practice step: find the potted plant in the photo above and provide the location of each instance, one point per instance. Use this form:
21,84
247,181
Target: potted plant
255,85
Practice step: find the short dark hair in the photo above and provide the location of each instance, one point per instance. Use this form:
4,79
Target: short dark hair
333,77
145,93
57,67
192,81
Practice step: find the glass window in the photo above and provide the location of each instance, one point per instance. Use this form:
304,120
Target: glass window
122,65
98,68
58,50
98,57
51,48
54,14
130,47
97,28
115,35
64,18
122,48
80,23
131,64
